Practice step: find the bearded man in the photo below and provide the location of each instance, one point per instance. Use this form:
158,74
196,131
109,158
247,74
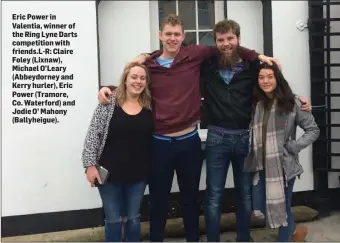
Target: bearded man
176,146
227,87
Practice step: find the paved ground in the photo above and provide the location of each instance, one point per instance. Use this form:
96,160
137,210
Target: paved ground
326,229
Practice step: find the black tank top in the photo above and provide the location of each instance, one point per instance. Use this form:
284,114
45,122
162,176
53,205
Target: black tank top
127,151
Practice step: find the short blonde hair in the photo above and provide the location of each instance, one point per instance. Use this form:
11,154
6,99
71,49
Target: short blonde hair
145,96
173,20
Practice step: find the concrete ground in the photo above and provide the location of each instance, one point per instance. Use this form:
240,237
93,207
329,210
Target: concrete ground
326,229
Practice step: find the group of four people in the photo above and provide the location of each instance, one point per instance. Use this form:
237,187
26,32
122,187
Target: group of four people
145,129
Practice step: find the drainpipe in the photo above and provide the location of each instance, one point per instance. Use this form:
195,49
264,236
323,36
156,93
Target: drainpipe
98,48
267,27
225,9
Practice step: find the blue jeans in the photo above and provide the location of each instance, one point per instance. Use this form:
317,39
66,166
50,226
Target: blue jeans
221,149
259,202
185,157
122,202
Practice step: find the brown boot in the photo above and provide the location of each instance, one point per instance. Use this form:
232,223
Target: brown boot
300,233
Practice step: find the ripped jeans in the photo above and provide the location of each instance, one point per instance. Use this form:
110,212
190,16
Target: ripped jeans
121,204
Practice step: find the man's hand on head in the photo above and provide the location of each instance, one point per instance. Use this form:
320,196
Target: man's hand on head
306,106
140,59
269,60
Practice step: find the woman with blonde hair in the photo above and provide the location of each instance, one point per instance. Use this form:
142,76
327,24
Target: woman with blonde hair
274,150
118,144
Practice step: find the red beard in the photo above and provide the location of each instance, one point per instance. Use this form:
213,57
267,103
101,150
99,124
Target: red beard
229,61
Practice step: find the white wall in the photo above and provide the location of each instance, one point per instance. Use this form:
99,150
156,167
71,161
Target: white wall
249,16
291,47
124,32
41,164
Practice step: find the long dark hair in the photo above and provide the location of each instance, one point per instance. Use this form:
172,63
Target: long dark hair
283,93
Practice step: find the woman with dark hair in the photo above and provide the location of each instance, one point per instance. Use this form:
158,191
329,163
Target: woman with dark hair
273,155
